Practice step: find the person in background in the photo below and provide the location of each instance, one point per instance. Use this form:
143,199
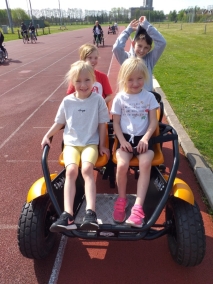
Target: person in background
1,43
141,45
97,31
32,29
24,30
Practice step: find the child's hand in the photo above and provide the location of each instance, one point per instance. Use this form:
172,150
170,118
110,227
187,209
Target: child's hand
45,141
142,19
142,146
104,150
134,24
126,146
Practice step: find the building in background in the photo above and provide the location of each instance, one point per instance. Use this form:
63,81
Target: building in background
147,6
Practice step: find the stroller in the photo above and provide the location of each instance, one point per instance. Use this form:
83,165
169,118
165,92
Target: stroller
111,30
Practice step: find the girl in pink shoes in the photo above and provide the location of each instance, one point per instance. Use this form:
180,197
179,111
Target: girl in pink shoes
134,121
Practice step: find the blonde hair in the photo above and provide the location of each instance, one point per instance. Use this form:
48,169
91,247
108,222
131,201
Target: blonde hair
129,66
76,68
85,50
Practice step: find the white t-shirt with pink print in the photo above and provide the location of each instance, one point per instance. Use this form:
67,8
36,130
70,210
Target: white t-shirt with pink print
134,111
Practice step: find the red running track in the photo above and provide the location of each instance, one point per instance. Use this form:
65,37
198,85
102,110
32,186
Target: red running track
31,88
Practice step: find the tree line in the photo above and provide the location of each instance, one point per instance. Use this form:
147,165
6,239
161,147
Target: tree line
120,15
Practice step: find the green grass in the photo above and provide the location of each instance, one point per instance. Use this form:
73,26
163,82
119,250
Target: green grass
184,72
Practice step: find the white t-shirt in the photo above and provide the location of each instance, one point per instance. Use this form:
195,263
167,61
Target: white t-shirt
134,111
81,118
97,31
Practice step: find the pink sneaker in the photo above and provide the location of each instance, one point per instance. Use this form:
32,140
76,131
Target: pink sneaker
119,214
136,219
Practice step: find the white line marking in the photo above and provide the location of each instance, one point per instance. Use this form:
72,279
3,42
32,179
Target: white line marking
110,65
28,118
58,260
5,227
42,127
38,73
37,59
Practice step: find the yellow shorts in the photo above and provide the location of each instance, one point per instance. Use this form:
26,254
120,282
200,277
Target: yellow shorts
75,154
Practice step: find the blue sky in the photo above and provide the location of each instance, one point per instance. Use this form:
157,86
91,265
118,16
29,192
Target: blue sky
165,5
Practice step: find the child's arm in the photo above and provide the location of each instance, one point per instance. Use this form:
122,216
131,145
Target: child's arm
102,139
159,40
125,145
119,46
53,130
108,98
143,144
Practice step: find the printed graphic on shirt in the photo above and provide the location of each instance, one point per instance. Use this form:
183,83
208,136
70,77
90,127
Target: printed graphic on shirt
97,88
136,110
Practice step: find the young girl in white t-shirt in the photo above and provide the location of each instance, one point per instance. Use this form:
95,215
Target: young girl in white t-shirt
134,121
83,115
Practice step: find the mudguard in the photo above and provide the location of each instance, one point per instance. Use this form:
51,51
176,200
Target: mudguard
182,190
38,188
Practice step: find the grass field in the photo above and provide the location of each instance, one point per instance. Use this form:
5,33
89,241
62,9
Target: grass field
184,72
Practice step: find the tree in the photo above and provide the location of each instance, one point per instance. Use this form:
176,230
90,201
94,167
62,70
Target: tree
172,16
3,17
18,16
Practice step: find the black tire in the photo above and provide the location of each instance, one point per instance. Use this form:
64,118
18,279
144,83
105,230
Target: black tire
25,39
33,39
103,41
6,54
186,239
34,238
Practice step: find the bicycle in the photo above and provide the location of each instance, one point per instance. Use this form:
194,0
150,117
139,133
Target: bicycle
33,37
25,37
3,55
99,40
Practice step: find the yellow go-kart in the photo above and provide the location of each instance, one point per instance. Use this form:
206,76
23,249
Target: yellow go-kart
182,224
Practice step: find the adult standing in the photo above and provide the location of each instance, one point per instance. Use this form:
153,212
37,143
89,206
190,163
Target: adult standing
97,30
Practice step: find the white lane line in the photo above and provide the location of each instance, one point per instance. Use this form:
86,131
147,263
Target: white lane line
28,63
29,117
37,59
38,73
110,65
58,260
9,227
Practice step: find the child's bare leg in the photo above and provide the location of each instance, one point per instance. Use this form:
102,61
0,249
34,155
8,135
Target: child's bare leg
145,161
90,186
70,188
123,159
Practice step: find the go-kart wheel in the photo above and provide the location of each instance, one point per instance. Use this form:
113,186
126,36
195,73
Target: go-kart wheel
34,238
186,238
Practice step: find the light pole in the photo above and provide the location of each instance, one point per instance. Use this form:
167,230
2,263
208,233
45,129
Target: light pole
31,13
59,11
9,17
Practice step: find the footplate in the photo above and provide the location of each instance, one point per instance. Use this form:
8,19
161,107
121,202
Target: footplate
104,208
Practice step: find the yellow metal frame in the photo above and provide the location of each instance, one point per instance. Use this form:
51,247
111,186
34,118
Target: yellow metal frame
38,188
182,190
